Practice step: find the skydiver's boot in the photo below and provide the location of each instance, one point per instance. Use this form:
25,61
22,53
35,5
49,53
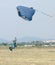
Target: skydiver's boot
10,48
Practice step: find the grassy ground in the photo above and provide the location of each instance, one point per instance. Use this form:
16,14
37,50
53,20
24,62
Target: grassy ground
27,56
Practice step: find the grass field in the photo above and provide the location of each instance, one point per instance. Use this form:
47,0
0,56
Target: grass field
27,56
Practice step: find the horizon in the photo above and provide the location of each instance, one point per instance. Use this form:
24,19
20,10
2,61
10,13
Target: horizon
26,39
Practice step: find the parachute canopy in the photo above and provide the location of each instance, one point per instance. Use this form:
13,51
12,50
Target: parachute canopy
25,12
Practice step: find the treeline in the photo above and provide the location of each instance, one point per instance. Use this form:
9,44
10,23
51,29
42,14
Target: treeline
33,43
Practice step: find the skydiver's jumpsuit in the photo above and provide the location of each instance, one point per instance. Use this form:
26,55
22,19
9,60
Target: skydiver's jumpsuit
14,43
11,46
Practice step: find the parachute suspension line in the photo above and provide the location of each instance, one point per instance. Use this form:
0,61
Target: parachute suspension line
45,13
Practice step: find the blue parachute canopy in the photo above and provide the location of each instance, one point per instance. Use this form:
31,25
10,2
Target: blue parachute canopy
25,12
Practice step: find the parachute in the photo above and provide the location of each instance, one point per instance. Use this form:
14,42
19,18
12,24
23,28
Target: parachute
25,12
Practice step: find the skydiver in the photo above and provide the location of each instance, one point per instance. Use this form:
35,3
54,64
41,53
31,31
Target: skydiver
11,46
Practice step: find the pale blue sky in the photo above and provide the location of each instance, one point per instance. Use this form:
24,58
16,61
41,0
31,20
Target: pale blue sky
41,26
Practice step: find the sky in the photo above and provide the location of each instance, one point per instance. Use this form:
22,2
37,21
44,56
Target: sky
42,26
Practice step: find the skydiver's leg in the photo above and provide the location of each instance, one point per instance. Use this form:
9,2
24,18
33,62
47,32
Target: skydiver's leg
10,48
